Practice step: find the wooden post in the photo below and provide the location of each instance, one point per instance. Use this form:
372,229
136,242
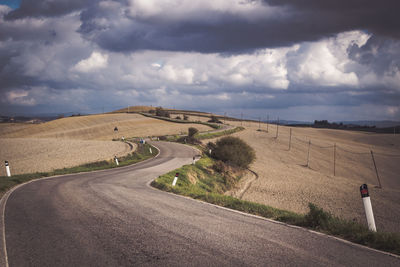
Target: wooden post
376,170
308,153
290,138
277,129
334,159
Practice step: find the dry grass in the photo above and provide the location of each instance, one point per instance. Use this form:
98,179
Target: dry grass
285,182
28,155
134,109
101,127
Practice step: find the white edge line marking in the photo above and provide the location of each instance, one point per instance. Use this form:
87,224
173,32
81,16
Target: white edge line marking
277,222
3,200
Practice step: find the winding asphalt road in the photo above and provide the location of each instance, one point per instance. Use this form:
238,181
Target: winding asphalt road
113,218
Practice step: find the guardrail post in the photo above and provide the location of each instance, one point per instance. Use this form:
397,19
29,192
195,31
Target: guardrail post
7,169
175,179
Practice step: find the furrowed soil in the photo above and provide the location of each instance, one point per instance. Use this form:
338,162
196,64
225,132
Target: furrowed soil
73,141
286,181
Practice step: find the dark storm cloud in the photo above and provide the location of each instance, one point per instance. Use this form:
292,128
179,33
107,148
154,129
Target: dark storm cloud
47,8
380,54
295,21
379,17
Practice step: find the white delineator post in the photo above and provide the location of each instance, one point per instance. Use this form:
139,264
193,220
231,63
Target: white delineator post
175,179
7,169
151,152
368,207
116,160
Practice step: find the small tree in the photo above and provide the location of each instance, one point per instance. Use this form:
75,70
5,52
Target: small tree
162,113
185,117
214,119
234,151
192,131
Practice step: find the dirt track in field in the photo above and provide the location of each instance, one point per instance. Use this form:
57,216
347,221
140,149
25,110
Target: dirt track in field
285,181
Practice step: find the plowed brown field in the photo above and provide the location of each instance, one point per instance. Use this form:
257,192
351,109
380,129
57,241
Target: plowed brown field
285,181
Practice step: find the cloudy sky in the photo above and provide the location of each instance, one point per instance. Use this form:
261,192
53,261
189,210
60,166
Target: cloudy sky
296,59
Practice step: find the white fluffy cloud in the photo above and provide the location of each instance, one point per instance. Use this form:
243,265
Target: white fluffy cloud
95,62
195,9
326,63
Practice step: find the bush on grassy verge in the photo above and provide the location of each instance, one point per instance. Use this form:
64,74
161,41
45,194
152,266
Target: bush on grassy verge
162,113
192,131
214,119
233,150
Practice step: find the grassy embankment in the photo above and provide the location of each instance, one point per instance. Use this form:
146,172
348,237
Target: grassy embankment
206,135
200,181
142,153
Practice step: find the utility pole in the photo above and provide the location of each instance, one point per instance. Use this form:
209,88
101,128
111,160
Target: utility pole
267,122
277,128
259,123
224,117
241,119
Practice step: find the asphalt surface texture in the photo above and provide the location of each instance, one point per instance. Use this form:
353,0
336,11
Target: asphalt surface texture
114,218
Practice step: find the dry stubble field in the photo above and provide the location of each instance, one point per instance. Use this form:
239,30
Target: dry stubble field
73,141
286,182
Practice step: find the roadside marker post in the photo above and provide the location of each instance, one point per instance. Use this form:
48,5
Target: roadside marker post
7,169
116,160
151,152
175,179
368,207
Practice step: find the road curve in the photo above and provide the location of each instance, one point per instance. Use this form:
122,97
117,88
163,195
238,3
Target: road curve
113,218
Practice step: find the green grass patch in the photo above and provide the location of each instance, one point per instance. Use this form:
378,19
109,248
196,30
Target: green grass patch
200,182
142,153
203,136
